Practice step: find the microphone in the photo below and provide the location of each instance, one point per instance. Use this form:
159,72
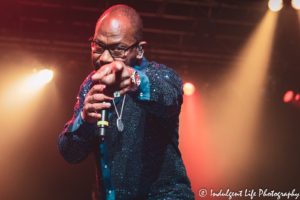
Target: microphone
102,123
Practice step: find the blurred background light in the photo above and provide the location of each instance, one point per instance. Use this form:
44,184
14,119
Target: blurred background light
44,76
23,88
275,5
288,96
38,79
297,97
237,118
296,4
188,89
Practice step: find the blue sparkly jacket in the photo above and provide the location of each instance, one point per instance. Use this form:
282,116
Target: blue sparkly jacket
143,161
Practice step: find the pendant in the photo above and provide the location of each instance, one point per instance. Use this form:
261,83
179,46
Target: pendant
120,125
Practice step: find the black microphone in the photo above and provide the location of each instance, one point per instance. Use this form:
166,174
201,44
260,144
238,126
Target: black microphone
102,123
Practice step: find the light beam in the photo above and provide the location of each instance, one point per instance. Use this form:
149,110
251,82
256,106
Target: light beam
235,119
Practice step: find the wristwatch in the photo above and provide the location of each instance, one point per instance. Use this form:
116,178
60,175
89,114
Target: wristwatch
135,80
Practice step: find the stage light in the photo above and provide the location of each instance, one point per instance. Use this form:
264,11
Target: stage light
275,5
296,4
44,76
297,97
288,96
188,89
37,80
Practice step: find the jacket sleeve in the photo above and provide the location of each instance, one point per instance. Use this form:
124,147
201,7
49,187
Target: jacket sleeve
75,141
166,93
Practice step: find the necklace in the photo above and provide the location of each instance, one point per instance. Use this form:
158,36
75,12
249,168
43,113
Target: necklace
120,124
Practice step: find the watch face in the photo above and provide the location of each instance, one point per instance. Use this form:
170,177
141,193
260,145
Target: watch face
133,76
135,79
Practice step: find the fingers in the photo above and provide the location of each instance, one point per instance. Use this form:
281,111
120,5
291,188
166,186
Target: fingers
96,89
112,73
124,90
110,79
94,107
118,69
99,89
98,97
90,111
103,71
117,87
114,78
90,117
113,67
95,115
94,102
117,66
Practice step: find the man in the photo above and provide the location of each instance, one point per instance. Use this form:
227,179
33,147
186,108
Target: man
141,159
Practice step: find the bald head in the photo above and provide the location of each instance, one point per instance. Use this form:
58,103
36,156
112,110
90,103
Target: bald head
119,29
126,13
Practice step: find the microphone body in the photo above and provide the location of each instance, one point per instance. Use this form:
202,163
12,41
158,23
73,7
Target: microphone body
102,123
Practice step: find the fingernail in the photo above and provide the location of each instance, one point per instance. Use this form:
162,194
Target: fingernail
103,87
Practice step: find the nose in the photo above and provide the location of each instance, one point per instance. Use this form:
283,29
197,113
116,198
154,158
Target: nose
106,57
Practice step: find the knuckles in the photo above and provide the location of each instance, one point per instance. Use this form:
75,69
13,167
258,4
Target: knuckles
97,97
89,99
128,82
86,107
97,88
117,65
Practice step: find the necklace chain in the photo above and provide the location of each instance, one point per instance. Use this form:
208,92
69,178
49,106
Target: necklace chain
120,117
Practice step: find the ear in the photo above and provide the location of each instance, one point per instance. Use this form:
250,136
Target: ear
141,49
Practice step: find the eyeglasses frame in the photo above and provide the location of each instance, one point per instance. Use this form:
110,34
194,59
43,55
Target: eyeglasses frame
106,47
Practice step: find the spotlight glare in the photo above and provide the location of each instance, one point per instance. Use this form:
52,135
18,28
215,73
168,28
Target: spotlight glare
297,97
44,76
296,4
275,5
288,96
188,89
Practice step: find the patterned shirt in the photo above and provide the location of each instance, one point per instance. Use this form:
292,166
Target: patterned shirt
143,161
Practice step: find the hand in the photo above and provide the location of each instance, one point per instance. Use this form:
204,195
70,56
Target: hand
115,76
92,104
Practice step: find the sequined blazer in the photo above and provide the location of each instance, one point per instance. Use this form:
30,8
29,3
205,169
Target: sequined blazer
144,160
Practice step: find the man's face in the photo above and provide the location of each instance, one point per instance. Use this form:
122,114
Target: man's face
114,31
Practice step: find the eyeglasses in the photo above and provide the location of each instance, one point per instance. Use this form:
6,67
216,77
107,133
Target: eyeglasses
114,51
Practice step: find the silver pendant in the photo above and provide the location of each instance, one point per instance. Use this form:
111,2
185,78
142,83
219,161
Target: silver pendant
120,125
117,94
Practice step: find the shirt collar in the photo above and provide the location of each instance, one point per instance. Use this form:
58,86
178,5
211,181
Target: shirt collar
143,64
